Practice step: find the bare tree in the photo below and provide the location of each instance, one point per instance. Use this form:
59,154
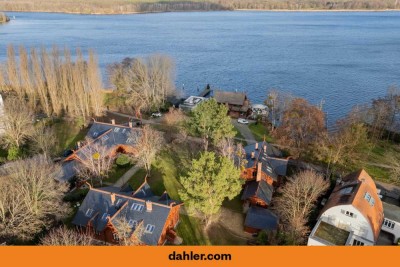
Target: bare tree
30,197
147,144
44,139
277,102
393,160
17,122
302,125
63,236
96,161
296,201
128,235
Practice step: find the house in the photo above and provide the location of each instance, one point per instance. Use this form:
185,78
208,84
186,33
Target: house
116,138
264,162
257,193
263,171
237,103
353,214
104,209
391,221
258,219
191,102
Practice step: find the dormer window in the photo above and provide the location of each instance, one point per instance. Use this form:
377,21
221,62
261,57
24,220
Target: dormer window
89,212
370,199
118,202
105,138
95,134
116,129
104,217
132,223
137,207
149,228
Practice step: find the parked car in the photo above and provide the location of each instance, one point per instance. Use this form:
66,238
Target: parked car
156,114
243,121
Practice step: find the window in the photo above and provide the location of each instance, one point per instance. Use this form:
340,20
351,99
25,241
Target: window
119,201
348,213
105,138
370,199
95,134
388,224
137,207
132,223
149,228
104,217
123,130
116,129
129,140
346,190
89,212
357,243
115,236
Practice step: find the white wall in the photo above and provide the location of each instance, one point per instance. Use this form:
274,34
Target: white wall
395,231
359,224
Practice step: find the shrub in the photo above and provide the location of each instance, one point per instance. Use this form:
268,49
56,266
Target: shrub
122,160
13,153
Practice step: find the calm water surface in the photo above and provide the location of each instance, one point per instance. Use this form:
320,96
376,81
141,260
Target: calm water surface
343,58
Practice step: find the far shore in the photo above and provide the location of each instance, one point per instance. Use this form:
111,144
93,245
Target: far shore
190,11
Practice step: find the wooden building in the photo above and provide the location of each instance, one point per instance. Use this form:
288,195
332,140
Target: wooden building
104,208
237,103
116,138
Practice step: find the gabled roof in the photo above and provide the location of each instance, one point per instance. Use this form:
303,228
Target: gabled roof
272,162
108,135
128,205
260,218
359,190
233,98
261,190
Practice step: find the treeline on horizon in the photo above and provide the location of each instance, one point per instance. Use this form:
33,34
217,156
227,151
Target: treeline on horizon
145,6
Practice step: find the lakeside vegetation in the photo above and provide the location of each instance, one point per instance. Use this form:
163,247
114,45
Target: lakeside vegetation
148,6
4,18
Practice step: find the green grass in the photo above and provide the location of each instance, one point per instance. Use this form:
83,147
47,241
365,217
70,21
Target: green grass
332,234
259,131
235,204
191,230
68,133
376,155
116,173
137,179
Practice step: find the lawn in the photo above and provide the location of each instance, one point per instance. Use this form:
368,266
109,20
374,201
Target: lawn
259,131
191,230
68,133
369,157
116,173
170,164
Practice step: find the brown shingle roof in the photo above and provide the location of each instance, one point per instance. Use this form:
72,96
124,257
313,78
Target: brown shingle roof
352,191
233,98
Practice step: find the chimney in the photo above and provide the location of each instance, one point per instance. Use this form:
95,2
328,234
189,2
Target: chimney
130,124
149,206
252,154
113,121
265,148
78,144
259,171
112,195
256,146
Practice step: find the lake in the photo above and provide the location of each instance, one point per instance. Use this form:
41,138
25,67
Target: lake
340,58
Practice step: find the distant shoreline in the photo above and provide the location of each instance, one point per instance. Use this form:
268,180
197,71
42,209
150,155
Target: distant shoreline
191,11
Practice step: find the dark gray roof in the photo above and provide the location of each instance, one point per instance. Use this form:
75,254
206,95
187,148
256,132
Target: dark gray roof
99,201
261,190
68,171
391,212
272,162
233,98
260,218
109,135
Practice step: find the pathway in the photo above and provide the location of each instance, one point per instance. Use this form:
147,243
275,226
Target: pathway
125,178
245,131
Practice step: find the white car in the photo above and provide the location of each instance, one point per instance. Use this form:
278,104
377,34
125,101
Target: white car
156,114
242,121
